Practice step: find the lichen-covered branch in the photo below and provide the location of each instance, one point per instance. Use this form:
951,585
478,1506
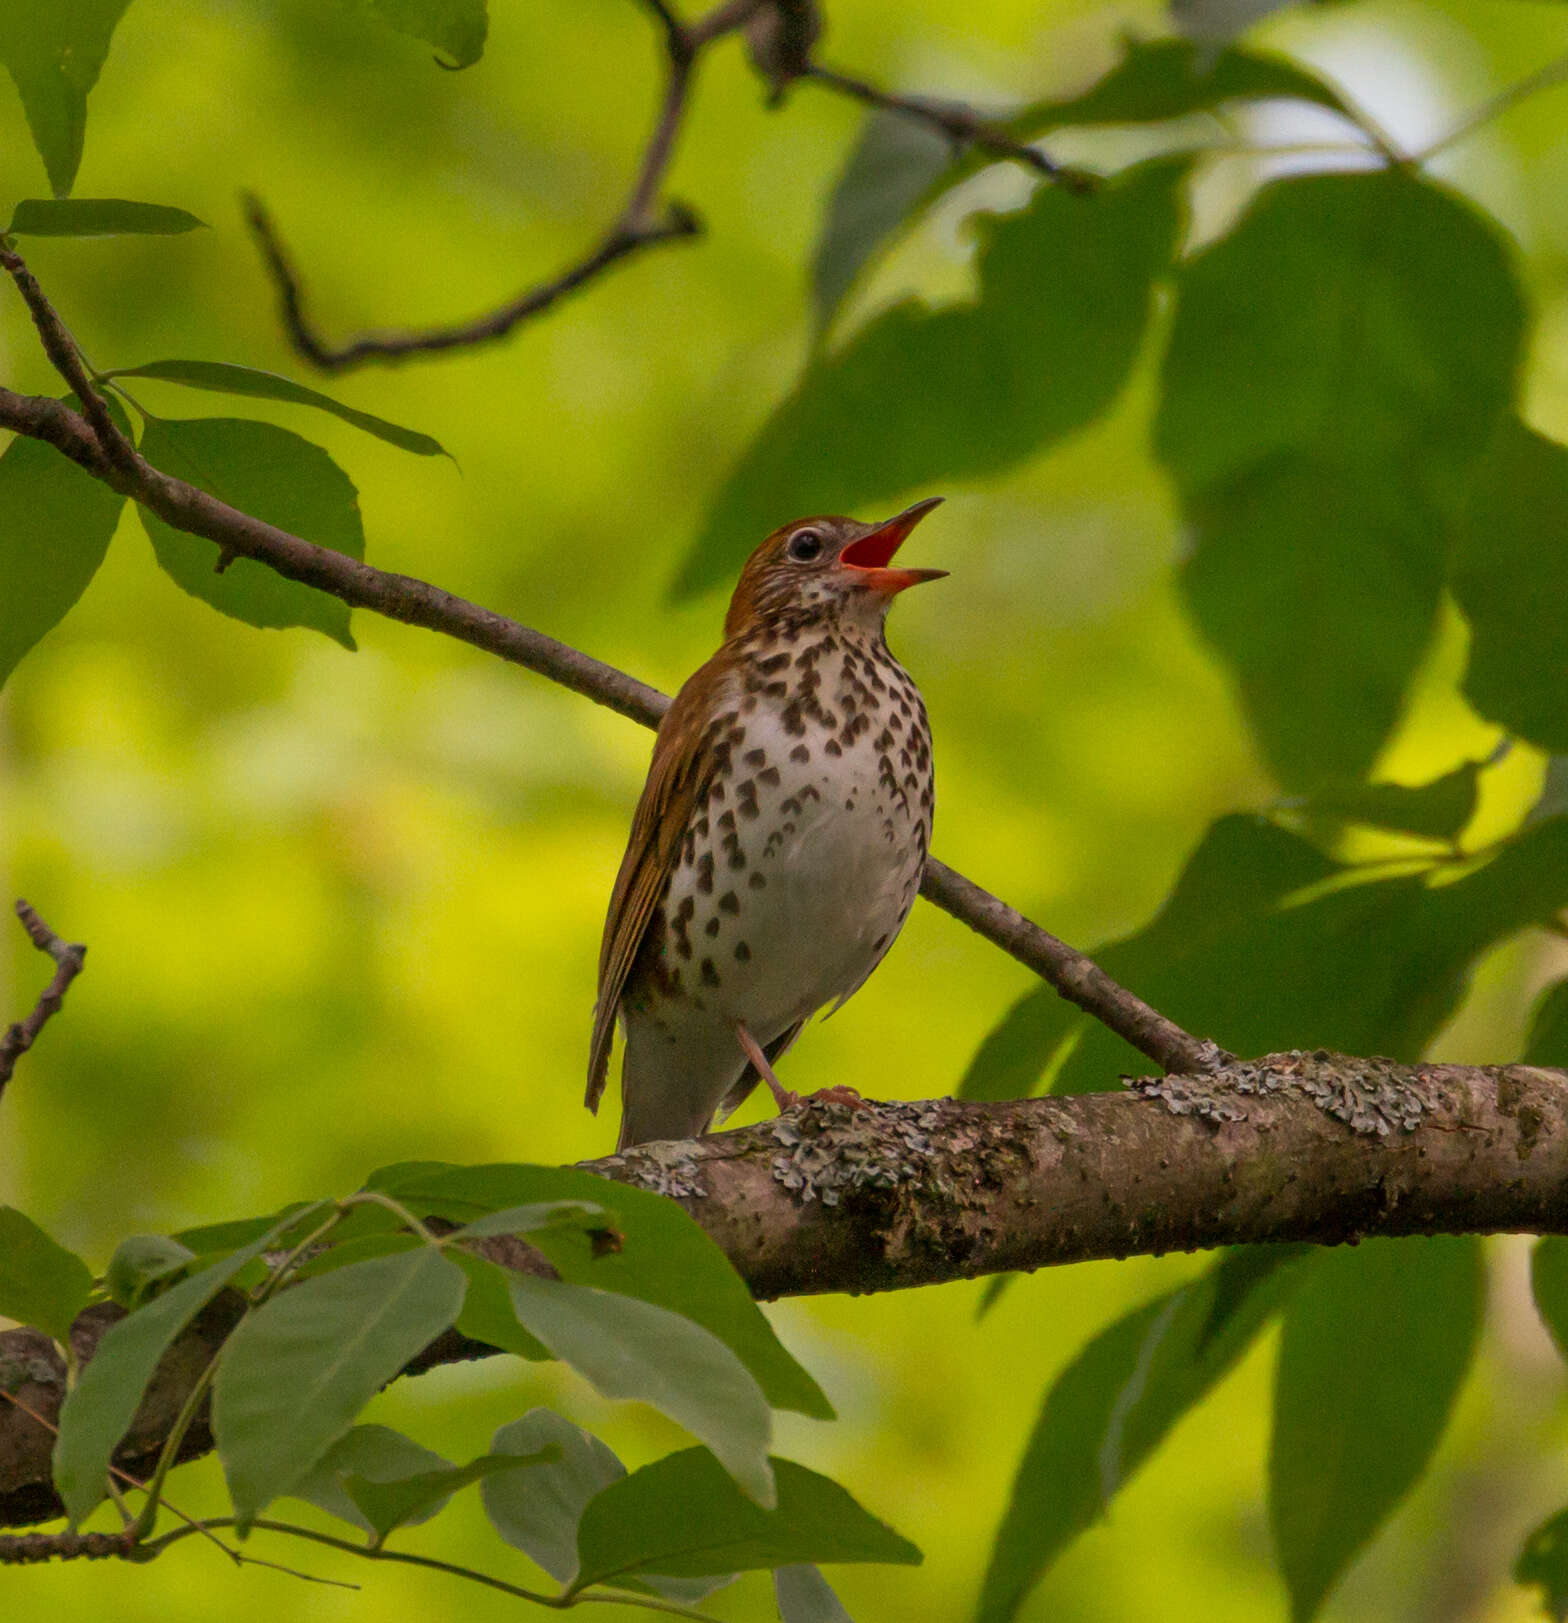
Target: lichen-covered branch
1292,1147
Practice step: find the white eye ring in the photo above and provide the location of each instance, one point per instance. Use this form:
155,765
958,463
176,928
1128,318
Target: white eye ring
804,545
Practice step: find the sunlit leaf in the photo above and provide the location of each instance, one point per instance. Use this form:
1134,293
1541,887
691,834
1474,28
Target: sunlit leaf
271,474
54,53
99,1408
1114,1405
1376,1343
297,1371
97,217
685,1516
664,1257
632,1349
58,521
921,396
1337,364
222,377
41,1283
1510,576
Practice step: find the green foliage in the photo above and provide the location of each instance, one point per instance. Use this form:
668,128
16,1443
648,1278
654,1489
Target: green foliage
1337,365
223,377
1439,810
54,53
1114,1405
1065,291
97,217
139,1263
1544,1561
41,1283
664,1257
683,1515
1376,1344
58,521
1549,1286
273,475
456,28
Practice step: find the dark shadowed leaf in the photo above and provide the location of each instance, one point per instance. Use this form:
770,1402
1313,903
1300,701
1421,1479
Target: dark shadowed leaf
683,1515
97,217
805,1596
41,1283
1549,1285
297,1371
1337,365
271,474
222,377
1510,575
1376,1343
664,1257
1548,1044
54,53
632,1349
1017,1051
103,1402
1439,810
456,28
899,168
1114,1405
139,1262
58,521
1544,1561
920,395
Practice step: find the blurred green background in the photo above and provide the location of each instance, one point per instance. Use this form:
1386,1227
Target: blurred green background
344,908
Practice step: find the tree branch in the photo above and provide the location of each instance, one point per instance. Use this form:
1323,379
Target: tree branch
69,957
1294,1147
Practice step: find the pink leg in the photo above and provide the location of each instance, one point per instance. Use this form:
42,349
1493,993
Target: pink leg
782,1096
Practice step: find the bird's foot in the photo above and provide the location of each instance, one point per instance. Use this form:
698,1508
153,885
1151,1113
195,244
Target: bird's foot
840,1095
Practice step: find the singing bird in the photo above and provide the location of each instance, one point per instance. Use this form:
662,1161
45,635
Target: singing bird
780,838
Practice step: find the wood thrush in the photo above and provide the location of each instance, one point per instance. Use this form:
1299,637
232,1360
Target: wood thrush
780,837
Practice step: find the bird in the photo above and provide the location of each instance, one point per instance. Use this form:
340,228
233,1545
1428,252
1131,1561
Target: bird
780,837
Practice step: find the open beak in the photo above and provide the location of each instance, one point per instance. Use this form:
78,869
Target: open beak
871,554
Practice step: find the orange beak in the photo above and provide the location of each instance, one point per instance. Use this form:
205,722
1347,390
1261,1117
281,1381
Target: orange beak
871,554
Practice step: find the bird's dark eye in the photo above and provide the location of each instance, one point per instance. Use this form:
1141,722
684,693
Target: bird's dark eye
805,545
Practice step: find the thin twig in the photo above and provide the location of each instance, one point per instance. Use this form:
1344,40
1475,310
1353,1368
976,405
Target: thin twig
68,957
642,223
962,125
1545,78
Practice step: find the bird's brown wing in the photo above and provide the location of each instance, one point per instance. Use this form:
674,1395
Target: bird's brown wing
683,765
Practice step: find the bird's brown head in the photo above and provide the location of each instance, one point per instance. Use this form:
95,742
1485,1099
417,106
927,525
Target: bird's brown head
831,567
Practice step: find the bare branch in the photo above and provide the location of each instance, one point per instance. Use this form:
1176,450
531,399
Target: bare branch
945,1190
642,223
69,957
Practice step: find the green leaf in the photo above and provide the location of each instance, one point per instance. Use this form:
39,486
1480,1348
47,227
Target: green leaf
1439,810
97,217
58,521
900,168
1018,1050
1337,365
139,1262
1510,576
297,1371
388,1506
632,1349
455,27
805,1596
1376,1344
222,377
239,1231
100,1407
371,1454
920,396
41,1283
664,1258
1114,1405
1548,1044
683,1515
54,52
536,1215
487,1309
274,475
1549,1285
1544,1561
